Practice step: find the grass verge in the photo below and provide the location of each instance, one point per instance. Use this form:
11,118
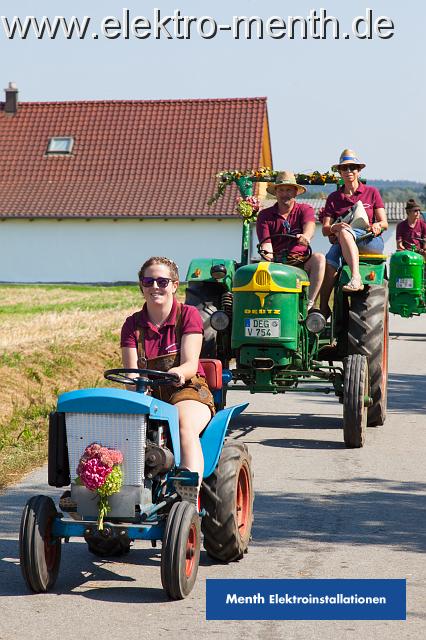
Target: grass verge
52,340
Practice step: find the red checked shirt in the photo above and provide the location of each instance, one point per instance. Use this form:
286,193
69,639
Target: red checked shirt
161,341
269,222
338,203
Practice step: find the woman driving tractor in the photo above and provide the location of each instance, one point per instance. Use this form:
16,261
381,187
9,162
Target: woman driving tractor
167,336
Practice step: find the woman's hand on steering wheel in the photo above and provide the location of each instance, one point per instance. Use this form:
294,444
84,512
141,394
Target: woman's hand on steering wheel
181,381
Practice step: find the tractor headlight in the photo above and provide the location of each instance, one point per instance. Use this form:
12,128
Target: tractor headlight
315,322
219,320
218,271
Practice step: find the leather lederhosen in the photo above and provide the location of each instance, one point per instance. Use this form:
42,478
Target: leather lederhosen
194,389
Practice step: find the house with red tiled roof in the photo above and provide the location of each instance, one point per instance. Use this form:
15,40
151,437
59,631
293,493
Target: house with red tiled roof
89,189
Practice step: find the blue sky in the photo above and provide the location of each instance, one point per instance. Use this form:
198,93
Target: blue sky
323,95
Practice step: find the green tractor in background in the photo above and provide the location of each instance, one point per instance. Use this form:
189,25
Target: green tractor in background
255,314
407,282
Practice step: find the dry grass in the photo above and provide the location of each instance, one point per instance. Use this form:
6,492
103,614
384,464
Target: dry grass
52,340
23,333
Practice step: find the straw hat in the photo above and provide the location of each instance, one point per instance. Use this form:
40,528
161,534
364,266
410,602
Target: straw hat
348,156
287,178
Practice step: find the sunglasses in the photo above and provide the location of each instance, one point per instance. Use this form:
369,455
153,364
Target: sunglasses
349,167
161,282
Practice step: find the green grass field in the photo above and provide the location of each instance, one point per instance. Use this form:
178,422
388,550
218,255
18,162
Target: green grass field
52,339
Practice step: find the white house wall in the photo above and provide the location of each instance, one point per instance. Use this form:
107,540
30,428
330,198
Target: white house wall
107,251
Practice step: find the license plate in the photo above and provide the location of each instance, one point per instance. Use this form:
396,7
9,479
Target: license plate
404,283
262,328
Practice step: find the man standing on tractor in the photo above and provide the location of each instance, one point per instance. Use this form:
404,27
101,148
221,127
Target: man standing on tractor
341,234
412,231
288,217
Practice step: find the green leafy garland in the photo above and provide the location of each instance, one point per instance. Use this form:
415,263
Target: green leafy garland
265,174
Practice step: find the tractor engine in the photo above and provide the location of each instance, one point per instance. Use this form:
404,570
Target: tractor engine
406,284
269,301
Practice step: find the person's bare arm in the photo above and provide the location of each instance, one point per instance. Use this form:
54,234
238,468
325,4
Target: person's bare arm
326,226
267,251
129,358
190,349
308,233
332,229
381,223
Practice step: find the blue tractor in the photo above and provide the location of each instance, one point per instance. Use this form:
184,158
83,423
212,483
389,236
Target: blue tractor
152,503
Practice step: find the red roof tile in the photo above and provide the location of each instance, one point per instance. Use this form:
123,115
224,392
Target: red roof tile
130,158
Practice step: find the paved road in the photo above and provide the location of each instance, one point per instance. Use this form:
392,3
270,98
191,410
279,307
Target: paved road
321,511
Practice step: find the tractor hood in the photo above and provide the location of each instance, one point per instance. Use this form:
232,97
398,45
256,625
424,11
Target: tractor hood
270,276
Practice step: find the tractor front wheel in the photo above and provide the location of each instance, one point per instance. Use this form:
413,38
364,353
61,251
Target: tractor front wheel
355,394
227,496
39,551
180,554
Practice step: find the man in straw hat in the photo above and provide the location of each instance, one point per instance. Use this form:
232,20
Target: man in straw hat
287,216
341,234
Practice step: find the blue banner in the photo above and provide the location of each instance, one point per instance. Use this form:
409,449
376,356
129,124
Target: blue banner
306,600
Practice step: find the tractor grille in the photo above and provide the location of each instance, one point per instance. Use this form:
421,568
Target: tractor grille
263,279
125,432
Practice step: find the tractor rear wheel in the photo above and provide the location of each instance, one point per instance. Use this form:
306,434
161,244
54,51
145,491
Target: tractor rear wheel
368,335
180,553
207,300
39,551
355,392
227,496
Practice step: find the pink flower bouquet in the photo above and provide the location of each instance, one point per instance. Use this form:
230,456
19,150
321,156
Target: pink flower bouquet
99,471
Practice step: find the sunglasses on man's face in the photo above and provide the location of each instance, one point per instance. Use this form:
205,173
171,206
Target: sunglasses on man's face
161,282
349,167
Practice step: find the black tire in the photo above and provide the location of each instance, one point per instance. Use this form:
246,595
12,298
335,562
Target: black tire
207,300
227,496
368,335
107,547
180,553
39,551
355,390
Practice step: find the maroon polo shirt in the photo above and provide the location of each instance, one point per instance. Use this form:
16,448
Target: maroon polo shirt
161,341
411,235
338,203
270,222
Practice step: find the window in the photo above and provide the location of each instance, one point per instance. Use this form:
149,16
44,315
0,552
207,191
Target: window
60,145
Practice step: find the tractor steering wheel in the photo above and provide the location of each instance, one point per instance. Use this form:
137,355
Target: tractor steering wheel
285,256
146,377
412,247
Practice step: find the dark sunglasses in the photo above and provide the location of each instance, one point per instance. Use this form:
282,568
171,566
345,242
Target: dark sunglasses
161,282
349,167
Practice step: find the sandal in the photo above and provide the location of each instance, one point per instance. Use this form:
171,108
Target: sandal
354,284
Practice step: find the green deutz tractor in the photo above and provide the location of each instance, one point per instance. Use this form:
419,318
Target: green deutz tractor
407,282
255,315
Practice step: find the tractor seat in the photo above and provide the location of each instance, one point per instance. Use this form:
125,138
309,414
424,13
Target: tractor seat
213,370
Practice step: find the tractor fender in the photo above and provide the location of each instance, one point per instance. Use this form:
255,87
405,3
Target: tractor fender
214,435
